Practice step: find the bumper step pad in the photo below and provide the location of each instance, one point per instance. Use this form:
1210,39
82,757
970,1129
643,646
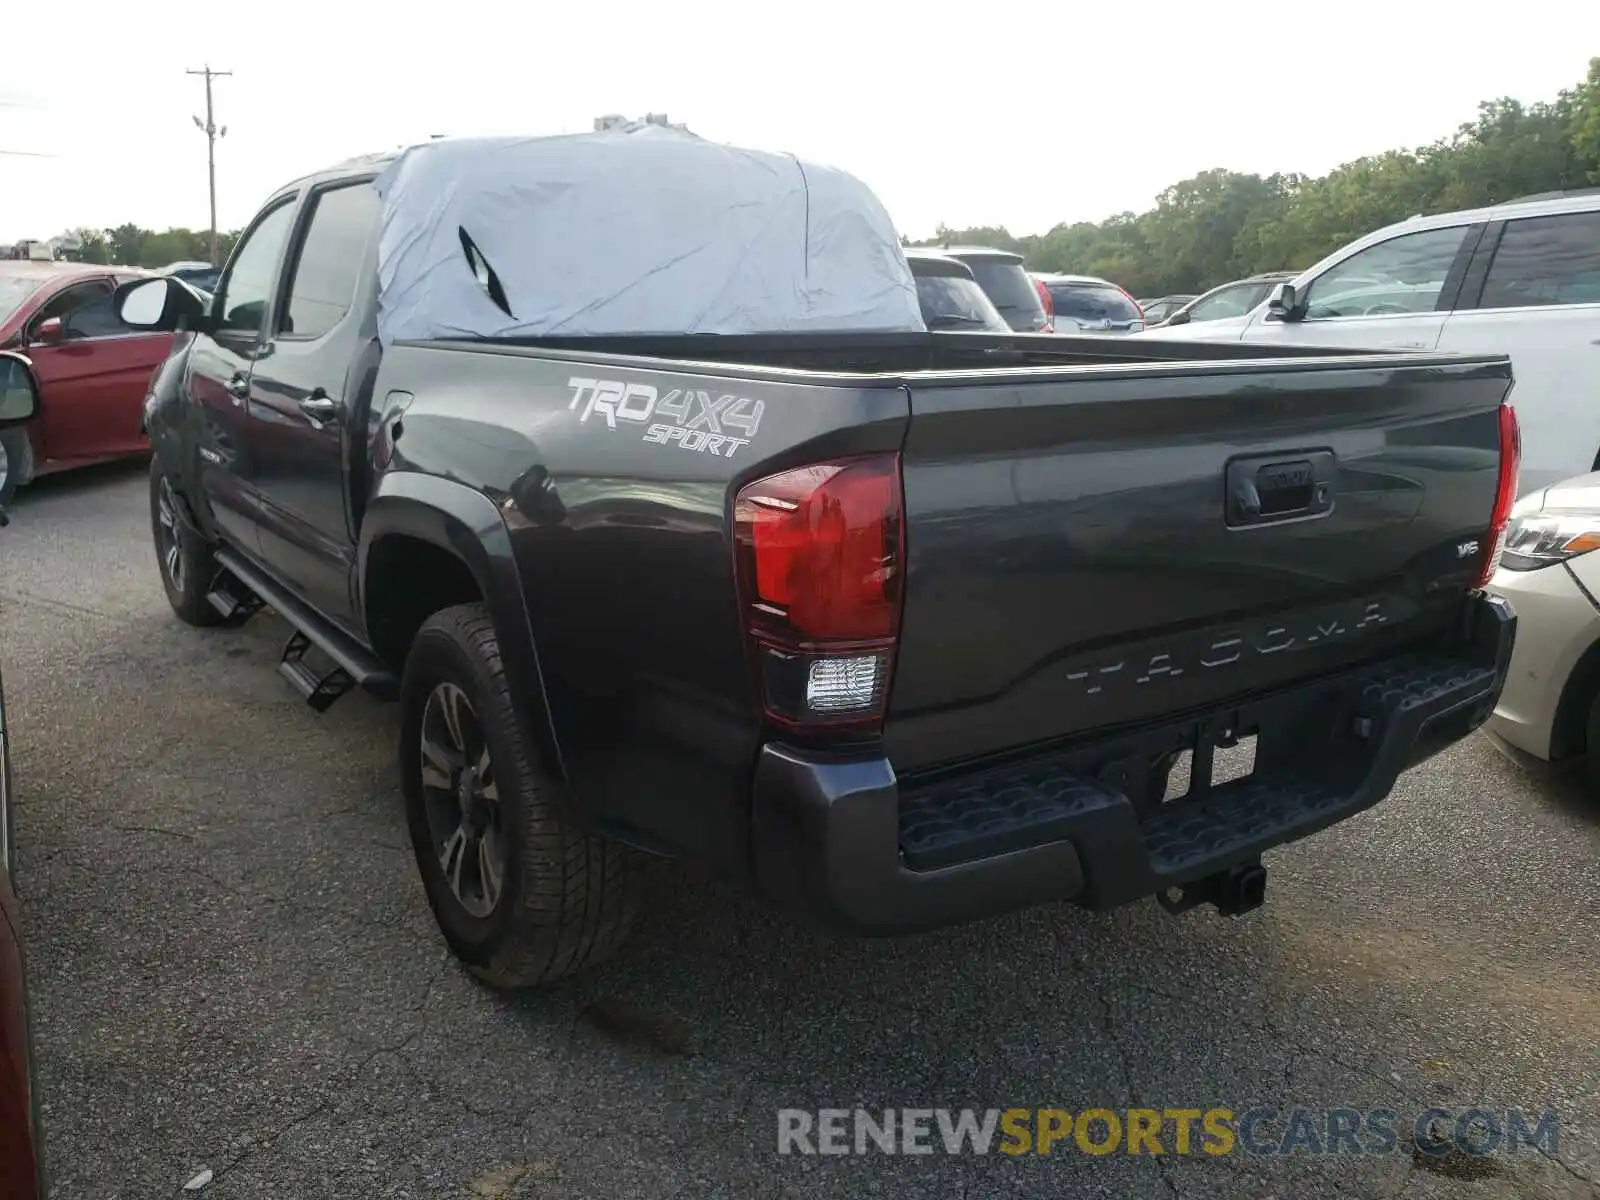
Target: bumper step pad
1325,752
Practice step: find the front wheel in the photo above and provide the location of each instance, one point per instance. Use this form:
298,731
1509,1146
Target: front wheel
522,896
1591,753
16,461
184,559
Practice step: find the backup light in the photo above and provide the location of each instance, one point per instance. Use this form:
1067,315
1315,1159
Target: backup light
820,562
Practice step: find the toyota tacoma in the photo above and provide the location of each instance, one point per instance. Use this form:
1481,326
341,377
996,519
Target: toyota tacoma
900,628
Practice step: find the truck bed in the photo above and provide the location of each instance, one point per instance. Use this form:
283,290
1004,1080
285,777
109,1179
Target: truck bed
1074,560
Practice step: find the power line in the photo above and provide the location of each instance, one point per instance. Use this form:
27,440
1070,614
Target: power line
209,128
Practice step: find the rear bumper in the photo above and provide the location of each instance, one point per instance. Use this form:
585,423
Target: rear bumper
844,841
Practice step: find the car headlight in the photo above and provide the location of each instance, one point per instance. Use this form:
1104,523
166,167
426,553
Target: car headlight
1540,539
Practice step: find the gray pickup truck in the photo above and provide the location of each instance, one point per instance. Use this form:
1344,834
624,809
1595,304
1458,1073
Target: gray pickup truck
899,629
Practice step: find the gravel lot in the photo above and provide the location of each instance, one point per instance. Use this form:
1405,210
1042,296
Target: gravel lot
233,966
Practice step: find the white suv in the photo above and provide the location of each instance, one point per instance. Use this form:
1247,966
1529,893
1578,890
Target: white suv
1521,278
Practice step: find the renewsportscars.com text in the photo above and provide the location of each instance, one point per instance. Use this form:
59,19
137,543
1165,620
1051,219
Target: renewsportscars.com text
1259,1131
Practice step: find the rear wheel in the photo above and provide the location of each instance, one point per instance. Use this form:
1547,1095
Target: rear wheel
522,896
183,557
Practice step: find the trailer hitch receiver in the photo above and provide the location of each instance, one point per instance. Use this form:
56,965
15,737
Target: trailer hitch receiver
1234,892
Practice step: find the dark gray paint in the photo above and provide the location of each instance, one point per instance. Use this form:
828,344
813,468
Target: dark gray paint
1064,510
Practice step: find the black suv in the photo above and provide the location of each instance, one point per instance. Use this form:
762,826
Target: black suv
1000,274
949,295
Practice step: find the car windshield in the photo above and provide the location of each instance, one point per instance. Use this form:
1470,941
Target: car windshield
13,291
1092,302
956,302
1007,283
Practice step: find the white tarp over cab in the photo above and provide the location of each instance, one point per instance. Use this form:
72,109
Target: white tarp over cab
636,230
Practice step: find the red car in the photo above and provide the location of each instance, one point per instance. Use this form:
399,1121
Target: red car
19,1151
20,1172
92,369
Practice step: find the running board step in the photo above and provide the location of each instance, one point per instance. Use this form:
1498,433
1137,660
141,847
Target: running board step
351,663
235,601
320,689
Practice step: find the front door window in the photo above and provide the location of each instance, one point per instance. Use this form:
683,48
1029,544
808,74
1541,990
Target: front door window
1405,274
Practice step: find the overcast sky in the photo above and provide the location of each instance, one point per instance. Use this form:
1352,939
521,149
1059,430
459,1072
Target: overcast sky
1025,115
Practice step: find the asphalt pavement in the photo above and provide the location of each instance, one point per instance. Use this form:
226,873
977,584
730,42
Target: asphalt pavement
234,971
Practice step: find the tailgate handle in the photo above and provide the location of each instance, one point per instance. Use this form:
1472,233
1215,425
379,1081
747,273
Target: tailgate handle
1265,489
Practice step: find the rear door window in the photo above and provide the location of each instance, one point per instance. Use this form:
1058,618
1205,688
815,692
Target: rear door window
328,267
1544,261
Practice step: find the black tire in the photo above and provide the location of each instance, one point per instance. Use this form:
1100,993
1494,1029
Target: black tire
564,899
1591,749
184,559
16,464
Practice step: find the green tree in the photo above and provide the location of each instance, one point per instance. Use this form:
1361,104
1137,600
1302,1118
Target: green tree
126,244
1220,224
1583,129
92,246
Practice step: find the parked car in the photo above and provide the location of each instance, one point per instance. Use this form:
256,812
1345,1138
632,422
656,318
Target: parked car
949,295
1550,709
30,250
21,1159
1002,277
1158,308
1522,278
900,628
1086,304
92,369
198,274
1226,300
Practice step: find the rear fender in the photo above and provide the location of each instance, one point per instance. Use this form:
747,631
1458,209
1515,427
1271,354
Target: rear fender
466,523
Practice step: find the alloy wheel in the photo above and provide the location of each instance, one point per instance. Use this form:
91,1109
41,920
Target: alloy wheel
462,800
168,535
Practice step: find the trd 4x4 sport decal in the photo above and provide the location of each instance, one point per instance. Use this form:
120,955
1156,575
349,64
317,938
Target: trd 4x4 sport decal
684,417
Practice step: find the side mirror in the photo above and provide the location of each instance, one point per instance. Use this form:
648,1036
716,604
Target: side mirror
1283,302
1177,318
46,333
19,391
159,305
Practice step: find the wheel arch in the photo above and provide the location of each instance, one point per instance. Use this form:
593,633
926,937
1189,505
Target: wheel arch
454,537
1569,728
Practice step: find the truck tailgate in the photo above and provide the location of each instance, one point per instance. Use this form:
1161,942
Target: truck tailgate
1091,548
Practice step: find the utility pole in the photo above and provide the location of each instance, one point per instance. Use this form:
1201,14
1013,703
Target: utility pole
209,127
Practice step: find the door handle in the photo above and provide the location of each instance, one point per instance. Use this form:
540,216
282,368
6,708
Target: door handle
319,406
238,387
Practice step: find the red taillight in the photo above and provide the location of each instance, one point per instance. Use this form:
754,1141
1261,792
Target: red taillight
1505,493
821,559
1046,299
